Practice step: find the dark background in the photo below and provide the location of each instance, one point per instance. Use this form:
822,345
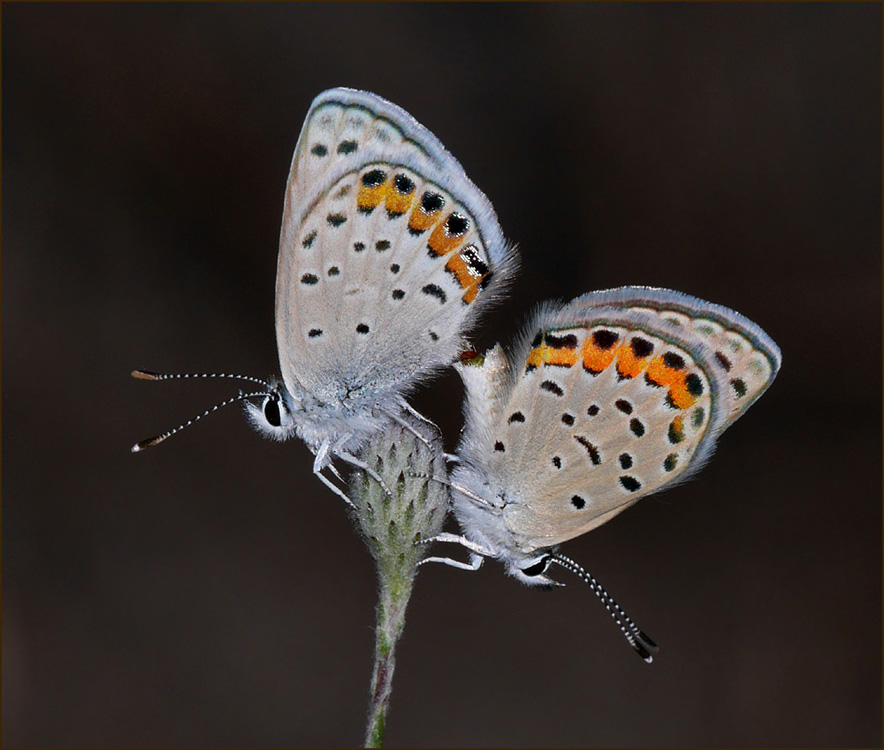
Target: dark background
212,592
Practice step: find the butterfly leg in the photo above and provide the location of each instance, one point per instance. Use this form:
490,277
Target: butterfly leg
474,564
320,462
457,539
415,413
333,469
333,487
410,428
359,464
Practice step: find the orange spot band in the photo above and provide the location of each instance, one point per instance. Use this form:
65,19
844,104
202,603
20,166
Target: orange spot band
548,355
440,243
596,359
662,375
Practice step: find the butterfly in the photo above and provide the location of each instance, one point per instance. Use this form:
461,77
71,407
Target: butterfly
388,254
599,403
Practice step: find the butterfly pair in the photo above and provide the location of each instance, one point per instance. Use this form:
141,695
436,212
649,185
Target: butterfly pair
388,255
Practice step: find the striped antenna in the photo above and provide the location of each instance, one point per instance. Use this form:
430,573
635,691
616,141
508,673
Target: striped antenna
639,641
148,375
144,444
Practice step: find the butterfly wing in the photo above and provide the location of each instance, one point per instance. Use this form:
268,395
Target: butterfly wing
604,406
743,351
388,252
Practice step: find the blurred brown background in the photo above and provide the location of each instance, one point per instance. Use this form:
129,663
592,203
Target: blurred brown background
212,592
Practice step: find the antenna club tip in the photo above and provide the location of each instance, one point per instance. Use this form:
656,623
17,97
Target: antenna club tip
142,445
145,375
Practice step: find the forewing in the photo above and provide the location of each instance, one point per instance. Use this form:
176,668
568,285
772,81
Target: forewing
743,351
602,411
388,251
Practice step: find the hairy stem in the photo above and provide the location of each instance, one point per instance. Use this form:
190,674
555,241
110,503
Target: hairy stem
410,507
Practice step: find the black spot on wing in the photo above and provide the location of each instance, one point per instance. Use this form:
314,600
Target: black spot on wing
641,348
471,257
374,179
434,290
431,202
569,341
630,483
404,184
456,225
694,384
723,361
673,361
591,449
675,434
605,339
552,387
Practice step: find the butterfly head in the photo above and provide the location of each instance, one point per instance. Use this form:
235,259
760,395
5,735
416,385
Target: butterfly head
532,570
274,416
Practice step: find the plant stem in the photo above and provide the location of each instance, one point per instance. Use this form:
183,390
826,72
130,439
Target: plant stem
392,520
390,621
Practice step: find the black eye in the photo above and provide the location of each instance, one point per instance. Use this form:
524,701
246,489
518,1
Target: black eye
271,412
537,568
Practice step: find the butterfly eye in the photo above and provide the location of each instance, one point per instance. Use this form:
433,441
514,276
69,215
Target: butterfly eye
537,569
271,412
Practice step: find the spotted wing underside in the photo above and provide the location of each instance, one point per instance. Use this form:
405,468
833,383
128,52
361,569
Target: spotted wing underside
744,353
388,251
605,406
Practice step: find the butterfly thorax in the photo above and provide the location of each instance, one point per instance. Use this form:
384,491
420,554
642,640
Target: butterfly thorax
345,423
483,516
338,421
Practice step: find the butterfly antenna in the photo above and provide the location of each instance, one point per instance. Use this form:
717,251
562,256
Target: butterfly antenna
148,375
144,444
639,641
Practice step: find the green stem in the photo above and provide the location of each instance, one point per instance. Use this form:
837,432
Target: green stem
390,621
410,507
